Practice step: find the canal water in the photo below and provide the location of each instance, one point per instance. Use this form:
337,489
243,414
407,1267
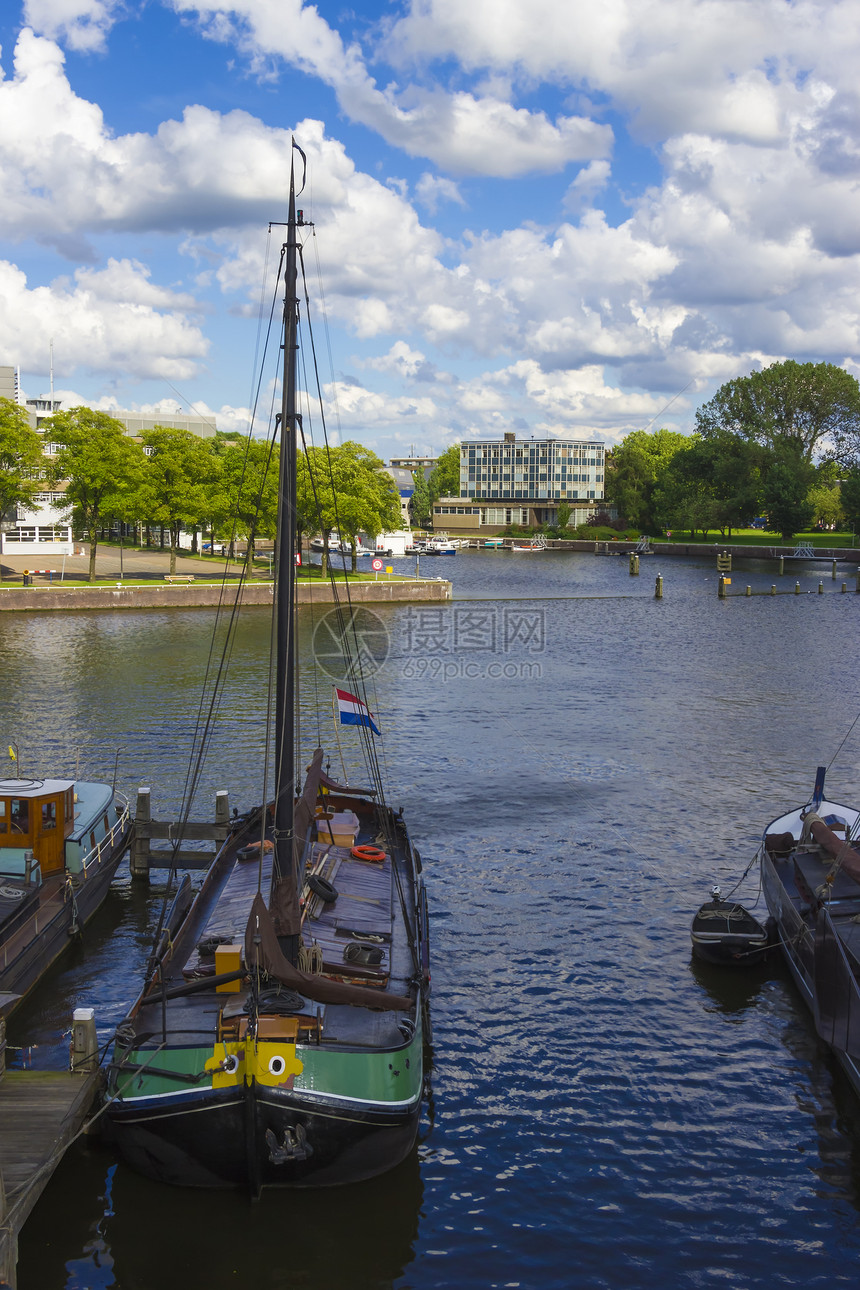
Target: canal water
578,763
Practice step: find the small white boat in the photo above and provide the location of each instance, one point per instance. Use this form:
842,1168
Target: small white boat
534,544
494,544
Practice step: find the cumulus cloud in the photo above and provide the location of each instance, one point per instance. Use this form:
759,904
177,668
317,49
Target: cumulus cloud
82,24
92,326
432,190
462,132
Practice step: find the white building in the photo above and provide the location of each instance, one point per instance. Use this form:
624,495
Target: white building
523,481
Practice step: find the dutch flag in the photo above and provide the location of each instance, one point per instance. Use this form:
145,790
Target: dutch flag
353,712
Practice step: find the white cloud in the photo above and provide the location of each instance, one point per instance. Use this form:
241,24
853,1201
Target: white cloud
432,190
590,181
459,131
83,24
143,333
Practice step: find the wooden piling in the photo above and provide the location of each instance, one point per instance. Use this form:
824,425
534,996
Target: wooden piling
139,862
797,588
781,565
658,587
820,587
145,857
833,570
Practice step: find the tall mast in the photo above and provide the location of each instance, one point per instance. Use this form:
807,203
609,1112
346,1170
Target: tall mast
284,902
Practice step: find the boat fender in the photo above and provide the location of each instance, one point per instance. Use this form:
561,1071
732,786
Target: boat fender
323,888
374,854
252,850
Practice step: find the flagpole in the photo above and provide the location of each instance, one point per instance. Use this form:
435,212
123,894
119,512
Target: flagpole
335,712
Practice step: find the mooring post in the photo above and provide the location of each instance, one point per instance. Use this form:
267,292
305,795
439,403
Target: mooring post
140,848
781,565
833,571
634,564
749,591
84,1055
721,587
222,818
844,587
773,588
820,587
797,588
658,587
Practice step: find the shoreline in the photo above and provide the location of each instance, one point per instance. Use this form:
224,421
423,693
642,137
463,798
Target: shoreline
190,596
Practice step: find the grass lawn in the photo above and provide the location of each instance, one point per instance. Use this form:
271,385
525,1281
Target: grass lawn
756,537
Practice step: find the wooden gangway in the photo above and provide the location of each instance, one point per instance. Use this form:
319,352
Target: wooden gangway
41,1113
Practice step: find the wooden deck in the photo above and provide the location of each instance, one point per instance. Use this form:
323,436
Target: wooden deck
40,1114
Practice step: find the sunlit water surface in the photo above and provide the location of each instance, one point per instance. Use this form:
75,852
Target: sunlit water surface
578,763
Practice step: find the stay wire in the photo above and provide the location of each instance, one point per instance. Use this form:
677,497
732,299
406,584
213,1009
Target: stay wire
214,675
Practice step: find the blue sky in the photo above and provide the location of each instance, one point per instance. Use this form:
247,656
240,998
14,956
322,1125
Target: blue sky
528,216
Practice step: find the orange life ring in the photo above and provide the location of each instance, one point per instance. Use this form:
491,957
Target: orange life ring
372,854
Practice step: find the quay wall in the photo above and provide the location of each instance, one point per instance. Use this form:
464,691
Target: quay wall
850,555
191,596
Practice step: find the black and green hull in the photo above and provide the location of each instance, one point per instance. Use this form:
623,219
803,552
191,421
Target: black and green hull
350,1115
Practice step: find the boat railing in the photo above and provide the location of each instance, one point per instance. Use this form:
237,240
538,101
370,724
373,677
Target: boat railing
107,844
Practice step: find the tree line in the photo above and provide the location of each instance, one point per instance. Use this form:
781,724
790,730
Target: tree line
782,444
171,479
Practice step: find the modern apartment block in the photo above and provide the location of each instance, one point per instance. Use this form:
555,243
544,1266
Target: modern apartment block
523,481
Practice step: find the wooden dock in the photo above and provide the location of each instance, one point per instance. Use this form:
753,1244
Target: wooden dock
41,1112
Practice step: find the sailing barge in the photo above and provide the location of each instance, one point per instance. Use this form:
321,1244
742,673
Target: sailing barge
279,1035
811,880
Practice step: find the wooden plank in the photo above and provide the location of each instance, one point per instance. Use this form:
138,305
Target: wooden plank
40,1114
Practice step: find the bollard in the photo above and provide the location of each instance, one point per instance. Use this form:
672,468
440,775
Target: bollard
749,591
820,588
773,589
721,587
634,564
84,1053
797,588
844,587
140,848
782,564
833,571
658,587
857,588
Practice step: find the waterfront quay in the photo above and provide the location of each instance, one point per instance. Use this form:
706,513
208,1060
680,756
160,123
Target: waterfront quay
140,579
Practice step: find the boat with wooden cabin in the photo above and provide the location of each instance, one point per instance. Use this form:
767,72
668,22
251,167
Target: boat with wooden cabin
810,869
61,842
278,1038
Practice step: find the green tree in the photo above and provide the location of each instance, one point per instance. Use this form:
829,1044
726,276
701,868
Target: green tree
816,406
849,492
366,495
245,489
444,478
785,494
563,514
422,507
826,503
633,469
180,468
21,457
103,467
684,497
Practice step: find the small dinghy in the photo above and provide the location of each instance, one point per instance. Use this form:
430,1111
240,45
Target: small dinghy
725,933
